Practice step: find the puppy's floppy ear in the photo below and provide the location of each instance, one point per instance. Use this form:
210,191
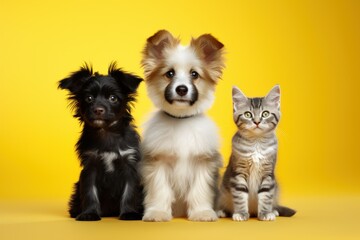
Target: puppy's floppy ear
211,51
208,46
154,50
75,81
129,81
156,43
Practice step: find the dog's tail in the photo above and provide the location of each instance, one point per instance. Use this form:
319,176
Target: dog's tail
285,211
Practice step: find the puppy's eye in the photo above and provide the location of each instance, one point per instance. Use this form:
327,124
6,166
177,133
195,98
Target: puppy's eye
89,99
113,99
265,114
194,74
170,74
248,115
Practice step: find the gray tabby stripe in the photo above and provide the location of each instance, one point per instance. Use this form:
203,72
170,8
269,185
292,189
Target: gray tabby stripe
256,102
238,118
277,120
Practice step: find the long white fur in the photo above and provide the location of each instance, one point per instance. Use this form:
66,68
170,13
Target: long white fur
178,174
180,156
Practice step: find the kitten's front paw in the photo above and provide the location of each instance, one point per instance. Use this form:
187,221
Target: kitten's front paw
240,217
88,217
203,216
157,216
267,216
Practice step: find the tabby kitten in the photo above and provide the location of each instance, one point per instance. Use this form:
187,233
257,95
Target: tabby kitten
249,187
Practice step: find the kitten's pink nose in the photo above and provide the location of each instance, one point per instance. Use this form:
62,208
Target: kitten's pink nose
99,111
257,123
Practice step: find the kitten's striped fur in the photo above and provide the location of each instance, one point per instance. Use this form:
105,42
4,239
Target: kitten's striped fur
249,186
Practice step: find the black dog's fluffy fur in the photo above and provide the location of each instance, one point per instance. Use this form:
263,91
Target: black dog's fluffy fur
108,148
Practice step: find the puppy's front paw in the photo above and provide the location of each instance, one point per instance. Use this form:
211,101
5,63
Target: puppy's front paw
240,217
203,216
157,216
131,216
88,217
267,216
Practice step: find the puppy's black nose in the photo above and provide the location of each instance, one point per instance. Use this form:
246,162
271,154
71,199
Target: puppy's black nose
99,111
181,90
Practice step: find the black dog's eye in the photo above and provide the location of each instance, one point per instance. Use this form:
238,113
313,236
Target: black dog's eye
194,74
170,74
89,99
113,99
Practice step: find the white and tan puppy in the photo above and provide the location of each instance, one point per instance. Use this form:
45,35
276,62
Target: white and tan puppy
180,144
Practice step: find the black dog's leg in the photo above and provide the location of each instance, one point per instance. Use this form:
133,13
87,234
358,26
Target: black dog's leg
75,202
132,199
88,193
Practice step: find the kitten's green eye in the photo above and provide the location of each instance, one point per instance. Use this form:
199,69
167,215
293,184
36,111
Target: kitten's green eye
265,114
113,99
248,115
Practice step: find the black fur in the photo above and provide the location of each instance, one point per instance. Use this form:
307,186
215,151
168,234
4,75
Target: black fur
102,103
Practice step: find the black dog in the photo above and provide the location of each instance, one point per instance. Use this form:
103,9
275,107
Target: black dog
108,148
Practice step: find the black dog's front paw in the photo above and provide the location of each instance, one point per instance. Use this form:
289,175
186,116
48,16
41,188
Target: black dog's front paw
88,217
131,216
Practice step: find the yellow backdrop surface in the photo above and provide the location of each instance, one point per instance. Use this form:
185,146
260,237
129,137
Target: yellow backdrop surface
311,48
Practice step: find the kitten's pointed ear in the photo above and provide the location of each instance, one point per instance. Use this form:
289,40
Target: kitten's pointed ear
129,81
273,97
239,98
75,81
211,51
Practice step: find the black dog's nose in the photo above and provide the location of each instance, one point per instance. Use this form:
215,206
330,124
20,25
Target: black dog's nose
181,90
99,111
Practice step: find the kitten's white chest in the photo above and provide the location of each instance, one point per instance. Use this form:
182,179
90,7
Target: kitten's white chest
261,152
257,154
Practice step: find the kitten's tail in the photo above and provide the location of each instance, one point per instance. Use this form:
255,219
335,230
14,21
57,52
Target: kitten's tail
285,211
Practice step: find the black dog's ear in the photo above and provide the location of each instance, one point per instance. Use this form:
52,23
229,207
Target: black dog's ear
74,82
129,81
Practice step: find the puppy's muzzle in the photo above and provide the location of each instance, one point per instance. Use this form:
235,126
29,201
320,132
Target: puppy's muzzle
99,111
181,90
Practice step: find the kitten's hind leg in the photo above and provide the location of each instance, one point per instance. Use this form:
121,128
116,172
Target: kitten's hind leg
221,214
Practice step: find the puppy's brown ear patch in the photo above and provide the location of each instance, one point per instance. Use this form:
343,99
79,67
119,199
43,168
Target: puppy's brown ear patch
158,42
211,51
153,53
208,47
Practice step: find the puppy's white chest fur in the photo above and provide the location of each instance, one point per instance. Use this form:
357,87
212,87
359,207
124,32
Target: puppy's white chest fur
182,152
181,138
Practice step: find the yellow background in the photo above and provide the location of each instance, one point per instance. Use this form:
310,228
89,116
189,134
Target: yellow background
310,48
